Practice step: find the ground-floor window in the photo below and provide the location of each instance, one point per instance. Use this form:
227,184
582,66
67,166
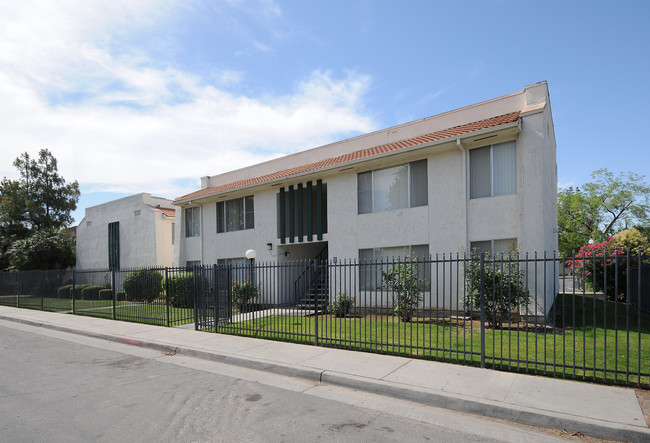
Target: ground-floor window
373,261
494,246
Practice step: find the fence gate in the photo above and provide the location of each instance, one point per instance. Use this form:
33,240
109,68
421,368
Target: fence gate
212,296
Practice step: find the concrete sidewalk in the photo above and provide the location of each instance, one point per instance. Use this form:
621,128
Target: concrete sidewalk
607,412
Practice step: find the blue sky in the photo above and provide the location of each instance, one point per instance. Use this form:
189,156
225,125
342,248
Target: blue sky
149,96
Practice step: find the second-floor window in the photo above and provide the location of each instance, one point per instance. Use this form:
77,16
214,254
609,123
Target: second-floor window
236,214
193,222
397,187
493,170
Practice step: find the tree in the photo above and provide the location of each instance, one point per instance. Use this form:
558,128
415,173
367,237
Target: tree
601,208
46,249
39,200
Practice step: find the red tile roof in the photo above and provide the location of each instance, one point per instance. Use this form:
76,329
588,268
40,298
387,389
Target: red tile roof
168,212
357,155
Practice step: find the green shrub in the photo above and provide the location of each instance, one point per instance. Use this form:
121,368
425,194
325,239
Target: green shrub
105,294
143,285
402,279
120,296
504,284
180,290
78,289
341,306
91,292
243,292
64,292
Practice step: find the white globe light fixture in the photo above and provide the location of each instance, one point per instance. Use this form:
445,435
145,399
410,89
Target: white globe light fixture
251,254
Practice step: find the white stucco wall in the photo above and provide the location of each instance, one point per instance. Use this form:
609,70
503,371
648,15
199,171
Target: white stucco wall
450,221
145,237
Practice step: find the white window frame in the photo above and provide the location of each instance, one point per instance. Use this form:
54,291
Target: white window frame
409,190
368,283
492,192
193,229
512,240
224,214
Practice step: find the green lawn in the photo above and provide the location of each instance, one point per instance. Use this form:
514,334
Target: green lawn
134,312
599,354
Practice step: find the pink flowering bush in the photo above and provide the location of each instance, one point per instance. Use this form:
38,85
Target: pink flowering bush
596,265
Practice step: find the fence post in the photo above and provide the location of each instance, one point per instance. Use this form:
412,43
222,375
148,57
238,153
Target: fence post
114,294
215,297
482,293
42,291
73,284
317,295
18,289
167,294
196,298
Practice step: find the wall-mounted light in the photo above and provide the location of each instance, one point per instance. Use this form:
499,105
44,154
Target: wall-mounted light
286,253
269,246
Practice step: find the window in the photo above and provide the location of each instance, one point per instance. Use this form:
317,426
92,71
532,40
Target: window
398,187
493,170
192,222
373,261
494,246
192,263
240,268
236,215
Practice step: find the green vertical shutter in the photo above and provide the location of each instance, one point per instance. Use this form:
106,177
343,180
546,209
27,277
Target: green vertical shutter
319,209
310,215
114,245
282,204
292,215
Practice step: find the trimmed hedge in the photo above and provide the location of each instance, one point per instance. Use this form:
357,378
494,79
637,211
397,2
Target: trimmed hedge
105,294
120,296
91,292
64,292
180,288
143,285
78,289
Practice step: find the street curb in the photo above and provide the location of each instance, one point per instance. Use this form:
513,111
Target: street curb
493,409
456,402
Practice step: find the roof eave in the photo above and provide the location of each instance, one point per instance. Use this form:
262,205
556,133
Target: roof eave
515,125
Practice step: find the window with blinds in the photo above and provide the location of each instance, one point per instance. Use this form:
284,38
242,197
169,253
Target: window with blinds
397,187
493,170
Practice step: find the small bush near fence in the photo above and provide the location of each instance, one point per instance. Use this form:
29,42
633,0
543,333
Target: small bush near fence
64,291
505,288
78,289
105,294
403,279
143,285
243,292
341,306
91,292
180,290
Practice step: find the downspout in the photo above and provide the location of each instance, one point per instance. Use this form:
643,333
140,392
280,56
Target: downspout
463,151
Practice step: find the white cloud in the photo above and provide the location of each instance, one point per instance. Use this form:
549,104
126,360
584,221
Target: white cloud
118,121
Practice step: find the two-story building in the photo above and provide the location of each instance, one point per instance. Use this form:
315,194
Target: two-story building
482,177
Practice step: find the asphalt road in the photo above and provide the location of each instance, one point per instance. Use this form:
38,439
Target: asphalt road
56,387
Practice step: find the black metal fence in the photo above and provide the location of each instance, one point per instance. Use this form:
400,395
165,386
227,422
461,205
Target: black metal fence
158,296
581,318
586,318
